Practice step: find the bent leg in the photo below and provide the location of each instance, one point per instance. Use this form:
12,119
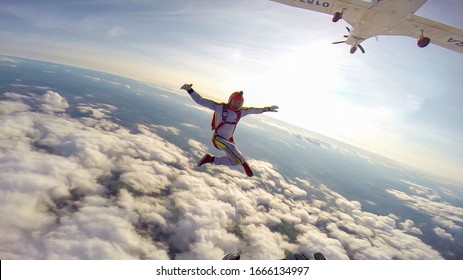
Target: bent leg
233,157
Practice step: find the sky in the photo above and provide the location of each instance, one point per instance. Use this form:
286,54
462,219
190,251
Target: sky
396,100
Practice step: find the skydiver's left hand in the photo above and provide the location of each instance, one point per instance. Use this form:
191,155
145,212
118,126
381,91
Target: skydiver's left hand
273,108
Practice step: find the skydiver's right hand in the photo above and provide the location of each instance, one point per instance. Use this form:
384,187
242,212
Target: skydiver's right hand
187,87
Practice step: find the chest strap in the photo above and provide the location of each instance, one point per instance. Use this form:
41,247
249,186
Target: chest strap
224,119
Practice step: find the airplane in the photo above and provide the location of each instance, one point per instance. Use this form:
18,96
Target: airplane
384,17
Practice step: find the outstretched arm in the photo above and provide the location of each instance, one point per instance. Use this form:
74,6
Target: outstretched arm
254,110
211,104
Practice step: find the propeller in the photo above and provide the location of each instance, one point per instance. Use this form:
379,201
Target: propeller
361,48
354,48
345,36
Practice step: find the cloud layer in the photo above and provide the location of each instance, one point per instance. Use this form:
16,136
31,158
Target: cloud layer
89,188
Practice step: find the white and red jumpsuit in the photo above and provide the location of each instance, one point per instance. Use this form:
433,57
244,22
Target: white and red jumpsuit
225,123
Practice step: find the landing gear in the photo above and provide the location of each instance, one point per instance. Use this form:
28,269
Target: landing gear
337,16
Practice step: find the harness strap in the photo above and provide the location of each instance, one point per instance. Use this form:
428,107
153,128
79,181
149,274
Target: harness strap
224,119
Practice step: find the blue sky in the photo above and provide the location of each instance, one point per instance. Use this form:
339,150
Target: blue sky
396,100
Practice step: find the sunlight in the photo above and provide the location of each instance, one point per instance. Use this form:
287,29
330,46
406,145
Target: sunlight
304,83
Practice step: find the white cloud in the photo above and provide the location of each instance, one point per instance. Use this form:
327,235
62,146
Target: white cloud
53,102
95,113
162,128
427,202
273,246
14,96
409,226
90,189
190,125
9,59
9,107
443,234
422,190
100,232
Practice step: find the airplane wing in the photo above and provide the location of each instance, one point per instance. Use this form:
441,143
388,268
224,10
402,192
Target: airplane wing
440,34
352,10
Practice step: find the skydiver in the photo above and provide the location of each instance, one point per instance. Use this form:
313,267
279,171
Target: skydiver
226,117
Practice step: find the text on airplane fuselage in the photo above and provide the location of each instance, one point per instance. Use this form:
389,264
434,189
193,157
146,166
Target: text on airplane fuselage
457,42
316,3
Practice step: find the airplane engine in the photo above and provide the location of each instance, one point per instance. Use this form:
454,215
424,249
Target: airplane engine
337,16
423,42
